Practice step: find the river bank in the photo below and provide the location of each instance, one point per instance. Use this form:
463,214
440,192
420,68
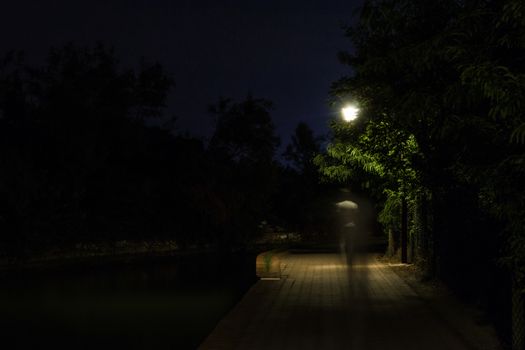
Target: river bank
162,299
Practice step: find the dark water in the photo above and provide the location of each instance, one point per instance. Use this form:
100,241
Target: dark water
170,303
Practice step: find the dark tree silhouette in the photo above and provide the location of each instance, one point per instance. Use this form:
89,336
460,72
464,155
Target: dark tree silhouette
77,160
243,147
303,203
83,162
302,150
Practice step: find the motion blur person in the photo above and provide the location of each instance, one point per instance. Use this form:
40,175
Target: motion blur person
349,211
349,241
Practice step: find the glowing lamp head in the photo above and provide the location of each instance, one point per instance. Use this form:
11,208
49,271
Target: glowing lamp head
350,113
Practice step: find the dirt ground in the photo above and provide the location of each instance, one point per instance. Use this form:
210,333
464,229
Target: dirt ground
473,325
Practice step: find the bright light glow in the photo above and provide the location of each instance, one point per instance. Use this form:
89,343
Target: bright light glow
350,113
347,205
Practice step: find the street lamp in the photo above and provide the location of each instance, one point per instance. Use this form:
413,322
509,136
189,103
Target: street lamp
350,113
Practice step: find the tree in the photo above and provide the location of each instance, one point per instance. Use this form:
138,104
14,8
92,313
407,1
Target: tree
379,159
304,204
302,150
73,147
449,75
243,146
244,132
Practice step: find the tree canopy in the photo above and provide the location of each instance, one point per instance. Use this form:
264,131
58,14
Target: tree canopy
82,161
441,88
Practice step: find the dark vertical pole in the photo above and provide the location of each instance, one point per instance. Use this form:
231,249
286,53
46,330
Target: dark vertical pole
412,236
404,231
391,243
518,318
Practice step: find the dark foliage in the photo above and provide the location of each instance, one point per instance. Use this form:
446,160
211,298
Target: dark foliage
448,77
83,160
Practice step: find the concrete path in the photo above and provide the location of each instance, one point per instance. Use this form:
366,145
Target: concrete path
326,303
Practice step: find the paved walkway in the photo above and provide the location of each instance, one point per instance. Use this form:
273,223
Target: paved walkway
325,303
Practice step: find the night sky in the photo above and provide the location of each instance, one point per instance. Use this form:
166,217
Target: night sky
284,51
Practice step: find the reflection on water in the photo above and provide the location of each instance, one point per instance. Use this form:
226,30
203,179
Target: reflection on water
170,303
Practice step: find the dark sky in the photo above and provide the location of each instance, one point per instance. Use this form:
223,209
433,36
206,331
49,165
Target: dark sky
282,50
